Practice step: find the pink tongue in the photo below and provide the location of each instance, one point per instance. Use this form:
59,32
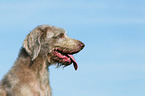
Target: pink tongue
74,61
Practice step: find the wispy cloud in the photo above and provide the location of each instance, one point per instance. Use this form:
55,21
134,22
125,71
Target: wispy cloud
86,12
115,20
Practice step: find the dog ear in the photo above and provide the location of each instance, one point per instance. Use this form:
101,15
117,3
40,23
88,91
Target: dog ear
32,43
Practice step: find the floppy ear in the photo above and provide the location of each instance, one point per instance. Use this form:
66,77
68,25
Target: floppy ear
32,43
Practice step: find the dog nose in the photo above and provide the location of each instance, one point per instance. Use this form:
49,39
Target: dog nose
82,45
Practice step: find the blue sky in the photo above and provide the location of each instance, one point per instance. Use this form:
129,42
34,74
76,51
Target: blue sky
113,60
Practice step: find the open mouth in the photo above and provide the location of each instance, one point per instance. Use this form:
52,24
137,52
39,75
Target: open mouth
66,57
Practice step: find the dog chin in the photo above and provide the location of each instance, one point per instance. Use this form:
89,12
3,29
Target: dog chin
64,59
62,62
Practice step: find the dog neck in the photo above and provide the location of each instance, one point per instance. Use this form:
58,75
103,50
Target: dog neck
40,63
38,67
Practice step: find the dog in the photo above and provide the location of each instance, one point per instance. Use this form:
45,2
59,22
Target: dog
44,46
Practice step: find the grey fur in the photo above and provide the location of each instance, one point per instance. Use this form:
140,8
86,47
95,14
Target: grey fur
30,76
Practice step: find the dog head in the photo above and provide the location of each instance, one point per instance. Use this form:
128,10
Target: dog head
53,43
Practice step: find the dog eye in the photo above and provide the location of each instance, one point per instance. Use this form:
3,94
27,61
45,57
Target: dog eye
61,35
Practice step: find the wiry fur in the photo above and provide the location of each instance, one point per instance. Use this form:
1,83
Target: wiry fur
30,76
